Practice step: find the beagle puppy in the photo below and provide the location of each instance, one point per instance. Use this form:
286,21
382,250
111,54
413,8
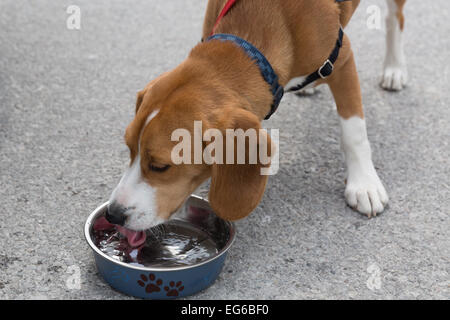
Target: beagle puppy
220,85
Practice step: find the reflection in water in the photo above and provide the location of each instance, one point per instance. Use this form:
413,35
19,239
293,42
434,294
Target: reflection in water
175,243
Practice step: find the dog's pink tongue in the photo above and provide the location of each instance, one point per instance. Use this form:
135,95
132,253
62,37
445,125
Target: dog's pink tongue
135,238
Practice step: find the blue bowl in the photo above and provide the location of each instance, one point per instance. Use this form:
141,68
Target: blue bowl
167,282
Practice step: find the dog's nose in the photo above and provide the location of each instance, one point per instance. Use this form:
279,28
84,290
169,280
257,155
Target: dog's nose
116,214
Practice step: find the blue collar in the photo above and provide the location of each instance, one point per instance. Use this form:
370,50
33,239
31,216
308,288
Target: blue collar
266,69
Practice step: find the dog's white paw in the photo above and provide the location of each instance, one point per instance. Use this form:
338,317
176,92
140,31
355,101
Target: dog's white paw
366,194
394,78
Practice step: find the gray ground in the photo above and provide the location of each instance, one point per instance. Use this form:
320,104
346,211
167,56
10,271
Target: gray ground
66,97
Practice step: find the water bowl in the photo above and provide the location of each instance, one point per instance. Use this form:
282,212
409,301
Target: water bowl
181,257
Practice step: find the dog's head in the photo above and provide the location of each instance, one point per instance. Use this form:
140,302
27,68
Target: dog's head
154,186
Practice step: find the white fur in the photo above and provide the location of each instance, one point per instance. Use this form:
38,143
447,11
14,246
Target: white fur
364,190
136,195
307,92
147,121
395,75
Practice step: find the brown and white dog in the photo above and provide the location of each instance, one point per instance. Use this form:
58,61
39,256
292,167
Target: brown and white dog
221,86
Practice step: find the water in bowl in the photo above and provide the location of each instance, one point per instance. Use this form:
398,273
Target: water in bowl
175,243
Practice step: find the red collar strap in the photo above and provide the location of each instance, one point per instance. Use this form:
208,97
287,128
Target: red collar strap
225,10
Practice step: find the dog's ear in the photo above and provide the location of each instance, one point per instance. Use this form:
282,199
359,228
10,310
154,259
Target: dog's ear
141,94
236,189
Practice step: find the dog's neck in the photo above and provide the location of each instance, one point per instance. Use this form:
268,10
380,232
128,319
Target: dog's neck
261,23
234,67
233,73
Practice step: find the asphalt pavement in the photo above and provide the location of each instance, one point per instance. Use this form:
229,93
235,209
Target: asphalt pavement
67,95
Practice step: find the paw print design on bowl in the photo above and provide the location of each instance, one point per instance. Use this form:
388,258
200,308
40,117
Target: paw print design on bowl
174,288
151,284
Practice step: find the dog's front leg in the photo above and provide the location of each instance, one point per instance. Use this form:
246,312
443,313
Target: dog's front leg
364,191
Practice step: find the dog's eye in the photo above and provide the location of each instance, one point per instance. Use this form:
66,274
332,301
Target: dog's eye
158,168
